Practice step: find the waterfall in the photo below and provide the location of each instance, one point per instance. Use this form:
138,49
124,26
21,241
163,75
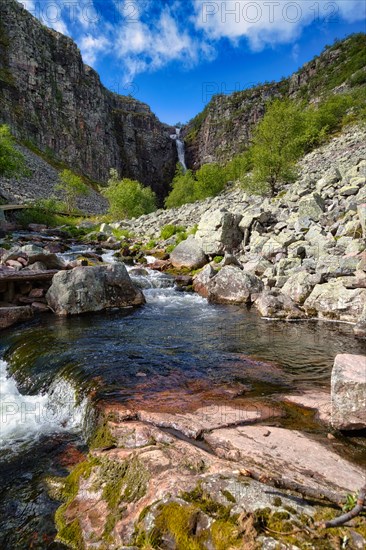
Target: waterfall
180,149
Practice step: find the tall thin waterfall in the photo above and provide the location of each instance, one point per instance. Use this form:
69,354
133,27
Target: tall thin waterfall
180,149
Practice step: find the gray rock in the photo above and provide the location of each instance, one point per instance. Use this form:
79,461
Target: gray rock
361,211
275,304
333,301
189,253
201,280
219,232
348,392
300,285
10,316
96,288
233,286
311,206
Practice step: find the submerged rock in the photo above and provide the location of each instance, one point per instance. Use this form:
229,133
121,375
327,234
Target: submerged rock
93,288
349,392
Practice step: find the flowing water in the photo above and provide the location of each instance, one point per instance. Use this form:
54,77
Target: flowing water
180,149
176,351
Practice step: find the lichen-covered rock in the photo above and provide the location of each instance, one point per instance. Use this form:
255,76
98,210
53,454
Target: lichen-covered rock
189,253
219,232
299,286
201,280
333,301
349,392
86,289
311,206
272,303
233,286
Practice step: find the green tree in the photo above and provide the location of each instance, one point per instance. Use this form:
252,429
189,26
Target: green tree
11,160
277,145
128,198
183,189
72,187
239,166
210,181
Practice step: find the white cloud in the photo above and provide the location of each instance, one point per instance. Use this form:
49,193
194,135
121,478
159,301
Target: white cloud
148,47
268,22
92,46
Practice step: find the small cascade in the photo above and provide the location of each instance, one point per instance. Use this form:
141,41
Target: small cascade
180,149
25,418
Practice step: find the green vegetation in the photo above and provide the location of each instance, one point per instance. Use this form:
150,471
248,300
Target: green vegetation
70,532
11,160
276,146
102,437
169,230
183,189
187,187
128,198
72,187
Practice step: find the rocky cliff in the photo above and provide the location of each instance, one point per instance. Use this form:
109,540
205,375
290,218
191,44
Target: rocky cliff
54,102
225,126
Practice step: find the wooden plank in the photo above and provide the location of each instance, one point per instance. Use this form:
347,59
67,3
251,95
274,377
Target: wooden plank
11,275
13,206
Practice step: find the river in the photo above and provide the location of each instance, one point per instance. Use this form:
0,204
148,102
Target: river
176,352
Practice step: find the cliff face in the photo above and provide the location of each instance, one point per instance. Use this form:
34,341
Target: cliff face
225,126
51,99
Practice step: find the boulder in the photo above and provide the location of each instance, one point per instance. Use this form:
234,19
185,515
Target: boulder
93,288
274,304
299,286
333,301
201,280
188,253
311,206
337,266
348,392
360,328
361,211
348,190
219,232
12,315
233,286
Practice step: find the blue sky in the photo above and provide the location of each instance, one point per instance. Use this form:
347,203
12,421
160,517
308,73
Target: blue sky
175,54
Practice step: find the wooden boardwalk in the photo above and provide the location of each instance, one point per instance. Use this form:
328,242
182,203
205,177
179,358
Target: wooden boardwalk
5,207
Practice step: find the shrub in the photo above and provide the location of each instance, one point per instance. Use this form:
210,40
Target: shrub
239,166
11,160
73,187
183,189
169,230
210,181
128,198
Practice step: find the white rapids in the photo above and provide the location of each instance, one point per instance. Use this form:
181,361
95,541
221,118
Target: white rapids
25,418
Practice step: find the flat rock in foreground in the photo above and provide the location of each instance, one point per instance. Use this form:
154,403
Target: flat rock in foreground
349,392
209,418
286,453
